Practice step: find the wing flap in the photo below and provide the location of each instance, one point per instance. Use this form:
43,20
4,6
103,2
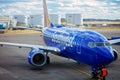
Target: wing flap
47,48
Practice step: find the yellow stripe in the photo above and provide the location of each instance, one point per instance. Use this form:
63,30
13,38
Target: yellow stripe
20,32
80,70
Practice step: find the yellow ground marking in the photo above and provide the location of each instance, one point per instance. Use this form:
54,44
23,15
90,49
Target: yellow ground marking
21,31
81,71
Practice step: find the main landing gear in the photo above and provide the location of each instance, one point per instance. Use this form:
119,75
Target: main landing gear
99,73
48,60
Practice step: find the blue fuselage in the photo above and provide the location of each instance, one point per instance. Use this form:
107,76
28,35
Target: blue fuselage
84,46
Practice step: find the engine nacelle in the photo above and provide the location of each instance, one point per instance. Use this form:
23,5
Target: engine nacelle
37,58
115,54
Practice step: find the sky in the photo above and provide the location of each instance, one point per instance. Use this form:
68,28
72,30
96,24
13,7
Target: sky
97,9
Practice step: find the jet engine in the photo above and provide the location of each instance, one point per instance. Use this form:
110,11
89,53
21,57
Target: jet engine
37,58
115,54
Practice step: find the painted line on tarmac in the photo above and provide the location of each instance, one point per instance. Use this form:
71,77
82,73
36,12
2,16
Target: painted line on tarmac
77,68
3,71
80,70
19,33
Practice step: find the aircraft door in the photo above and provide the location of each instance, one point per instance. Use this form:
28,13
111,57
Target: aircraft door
78,49
79,44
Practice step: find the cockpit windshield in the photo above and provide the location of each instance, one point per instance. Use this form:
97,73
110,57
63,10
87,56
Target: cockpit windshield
98,44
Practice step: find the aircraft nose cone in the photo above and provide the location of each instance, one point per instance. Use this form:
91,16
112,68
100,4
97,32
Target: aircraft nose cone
106,56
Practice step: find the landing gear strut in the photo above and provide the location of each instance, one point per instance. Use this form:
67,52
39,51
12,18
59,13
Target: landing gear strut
48,60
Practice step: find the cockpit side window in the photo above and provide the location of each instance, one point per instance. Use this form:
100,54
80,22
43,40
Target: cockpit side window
98,44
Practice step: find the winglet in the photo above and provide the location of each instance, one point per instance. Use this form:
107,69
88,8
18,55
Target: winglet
46,18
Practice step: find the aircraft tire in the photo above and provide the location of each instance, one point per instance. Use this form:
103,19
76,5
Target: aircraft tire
94,75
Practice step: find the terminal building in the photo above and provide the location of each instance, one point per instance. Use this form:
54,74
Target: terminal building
21,20
55,19
35,20
7,22
74,19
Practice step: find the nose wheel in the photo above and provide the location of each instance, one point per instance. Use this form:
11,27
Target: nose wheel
99,74
94,75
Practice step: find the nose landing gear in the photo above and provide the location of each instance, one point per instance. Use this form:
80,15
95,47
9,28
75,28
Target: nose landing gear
99,73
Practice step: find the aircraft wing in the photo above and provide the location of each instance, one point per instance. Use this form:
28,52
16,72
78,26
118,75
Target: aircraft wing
46,48
114,41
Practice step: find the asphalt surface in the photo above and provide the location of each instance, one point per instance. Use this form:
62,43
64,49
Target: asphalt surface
14,65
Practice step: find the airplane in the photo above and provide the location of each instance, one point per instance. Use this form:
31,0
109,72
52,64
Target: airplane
86,46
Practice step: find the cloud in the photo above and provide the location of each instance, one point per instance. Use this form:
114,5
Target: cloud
88,8
21,8
61,4
113,4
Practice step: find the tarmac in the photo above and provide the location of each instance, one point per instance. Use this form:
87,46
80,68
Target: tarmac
14,64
